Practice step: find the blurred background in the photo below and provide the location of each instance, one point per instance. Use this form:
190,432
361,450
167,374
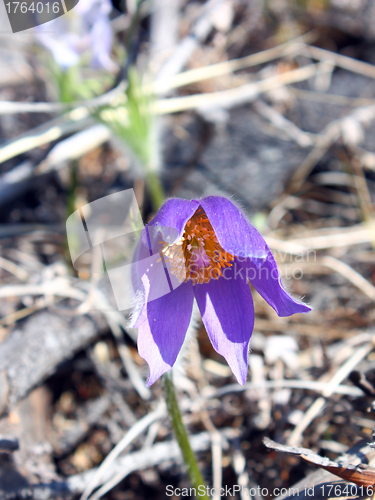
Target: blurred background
270,103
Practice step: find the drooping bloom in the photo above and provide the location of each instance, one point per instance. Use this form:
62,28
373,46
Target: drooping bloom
85,30
210,252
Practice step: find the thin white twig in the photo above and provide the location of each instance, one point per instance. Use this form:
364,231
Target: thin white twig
331,133
144,459
235,96
134,376
12,268
308,385
220,69
132,434
350,274
303,139
345,62
52,131
59,287
330,388
338,237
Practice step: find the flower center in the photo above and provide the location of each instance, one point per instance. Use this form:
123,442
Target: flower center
197,255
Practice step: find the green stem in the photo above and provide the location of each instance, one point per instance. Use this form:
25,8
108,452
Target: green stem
182,437
156,189
133,25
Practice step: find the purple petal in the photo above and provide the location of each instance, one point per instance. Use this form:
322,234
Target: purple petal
234,233
174,214
266,280
101,43
64,53
227,310
147,261
162,327
167,225
91,9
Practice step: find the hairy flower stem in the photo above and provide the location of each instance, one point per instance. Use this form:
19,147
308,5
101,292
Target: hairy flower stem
188,455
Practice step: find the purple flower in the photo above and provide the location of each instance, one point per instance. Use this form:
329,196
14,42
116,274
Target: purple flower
85,30
212,255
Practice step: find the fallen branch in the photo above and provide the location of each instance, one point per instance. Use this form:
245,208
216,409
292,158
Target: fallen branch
31,353
321,484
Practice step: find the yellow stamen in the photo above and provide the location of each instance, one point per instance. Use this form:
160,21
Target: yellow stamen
197,255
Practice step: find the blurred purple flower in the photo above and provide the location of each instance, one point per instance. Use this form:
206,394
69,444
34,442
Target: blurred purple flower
213,253
84,30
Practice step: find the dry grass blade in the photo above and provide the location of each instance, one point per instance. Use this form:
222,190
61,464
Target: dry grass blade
345,62
303,139
236,96
217,452
239,465
292,47
309,385
330,134
74,147
12,268
59,287
23,313
66,150
341,100
71,122
144,459
318,404
340,237
325,141
349,273
362,191
132,434
10,108
127,360
196,444
191,41
303,329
